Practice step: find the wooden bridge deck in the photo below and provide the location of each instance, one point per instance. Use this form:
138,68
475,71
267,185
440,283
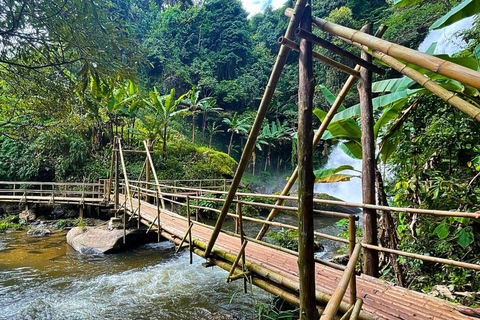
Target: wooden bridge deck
381,299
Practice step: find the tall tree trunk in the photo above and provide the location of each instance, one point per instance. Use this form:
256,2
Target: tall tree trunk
388,234
204,125
193,126
368,164
230,144
306,258
210,141
254,159
165,142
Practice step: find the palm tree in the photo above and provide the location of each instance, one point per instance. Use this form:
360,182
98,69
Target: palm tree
236,126
194,103
208,106
213,129
272,133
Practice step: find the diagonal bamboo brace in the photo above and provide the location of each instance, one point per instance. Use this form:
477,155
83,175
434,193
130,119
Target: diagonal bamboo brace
184,238
237,260
261,113
316,139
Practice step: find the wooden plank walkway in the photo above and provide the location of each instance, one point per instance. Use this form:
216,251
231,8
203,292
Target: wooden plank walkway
381,299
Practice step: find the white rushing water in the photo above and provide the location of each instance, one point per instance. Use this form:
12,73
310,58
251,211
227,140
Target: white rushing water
346,190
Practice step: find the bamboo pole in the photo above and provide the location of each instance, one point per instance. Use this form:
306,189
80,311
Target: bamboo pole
149,156
157,205
352,229
317,56
424,258
242,240
262,110
428,84
117,177
368,164
316,139
302,33
237,260
184,238
356,310
437,65
337,296
306,178
124,168
190,245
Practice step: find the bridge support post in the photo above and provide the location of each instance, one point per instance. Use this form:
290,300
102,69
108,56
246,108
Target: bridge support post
117,182
306,178
368,164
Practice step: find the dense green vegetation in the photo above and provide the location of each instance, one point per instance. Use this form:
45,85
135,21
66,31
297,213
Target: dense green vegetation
187,76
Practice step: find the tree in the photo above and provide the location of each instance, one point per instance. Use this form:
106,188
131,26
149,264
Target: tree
160,112
213,129
236,126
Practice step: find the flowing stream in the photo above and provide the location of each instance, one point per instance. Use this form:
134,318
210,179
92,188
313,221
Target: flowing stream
42,278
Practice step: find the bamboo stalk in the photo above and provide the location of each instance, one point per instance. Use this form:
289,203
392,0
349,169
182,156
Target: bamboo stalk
430,85
124,168
352,229
302,33
437,65
424,258
317,56
237,260
157,184
184,238
316,139
337,296
190,247
356,310
262,110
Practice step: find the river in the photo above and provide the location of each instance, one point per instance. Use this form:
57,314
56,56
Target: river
42,278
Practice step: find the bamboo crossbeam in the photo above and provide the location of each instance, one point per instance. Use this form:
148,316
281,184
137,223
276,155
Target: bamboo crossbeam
302,33
317,56
337,296
261,113
435,64
316,139
428,84
424,257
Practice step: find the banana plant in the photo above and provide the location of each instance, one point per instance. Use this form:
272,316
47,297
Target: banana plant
236,126
159,113
197,105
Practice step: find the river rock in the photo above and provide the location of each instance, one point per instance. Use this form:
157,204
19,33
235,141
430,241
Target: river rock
38,232
27,215
99,240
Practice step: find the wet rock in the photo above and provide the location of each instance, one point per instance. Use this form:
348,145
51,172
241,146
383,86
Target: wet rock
27,215
57,212
38,232
318,246
99,240
340,259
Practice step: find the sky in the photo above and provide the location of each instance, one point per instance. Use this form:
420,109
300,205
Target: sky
256,6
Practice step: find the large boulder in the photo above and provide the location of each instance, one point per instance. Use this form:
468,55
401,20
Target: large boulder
27,215
99,240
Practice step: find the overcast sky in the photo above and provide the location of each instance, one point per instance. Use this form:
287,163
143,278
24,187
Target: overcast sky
255,6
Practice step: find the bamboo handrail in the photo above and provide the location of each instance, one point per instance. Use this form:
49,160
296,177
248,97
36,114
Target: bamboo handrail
337,296
424,257
432,63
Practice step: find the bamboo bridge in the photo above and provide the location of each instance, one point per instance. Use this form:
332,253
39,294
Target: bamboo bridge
317,286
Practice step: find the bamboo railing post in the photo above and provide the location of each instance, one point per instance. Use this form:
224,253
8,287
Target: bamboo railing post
316,139
139,215
352,230
238,209
158,214
306,178
190,247
368,164
237,260
196,208
152,167
262,110
117,178
337,296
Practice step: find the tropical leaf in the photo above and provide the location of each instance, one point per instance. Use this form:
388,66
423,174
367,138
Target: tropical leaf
331,175
352,148
391,85
330,96
388,115
465,237
405,3
388,146
465,9
345,129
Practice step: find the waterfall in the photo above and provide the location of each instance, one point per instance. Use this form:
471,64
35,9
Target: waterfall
350,191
